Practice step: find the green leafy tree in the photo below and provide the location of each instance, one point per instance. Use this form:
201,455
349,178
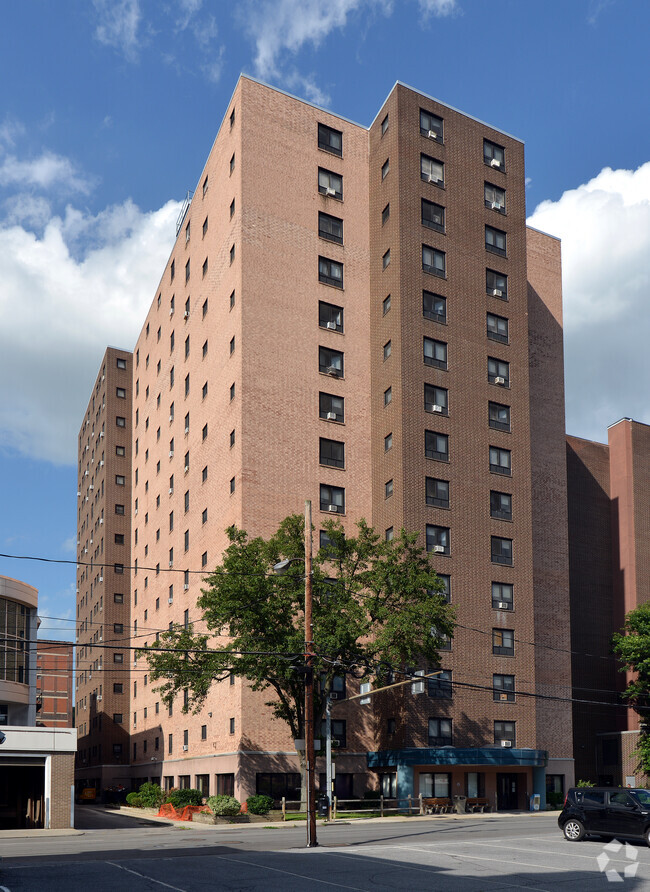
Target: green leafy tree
632,646
375,603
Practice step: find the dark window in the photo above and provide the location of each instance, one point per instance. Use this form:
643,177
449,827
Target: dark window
435,399
330,362
434,261
497,328
330,183
433,215
495,198
120,450
330,272
119,509
273,784
387,349
331,407
330,316
503,642
496,284
388,396
384,125
330,140
121,363
495,240
430,125
503,687
500,461
504,731
118,658
434,306
120,421
118,628
205,227
446,591
498,371
500,505
494,155
187,271
332,452
338,733
502,596
118,688
388,489
385,214
499,416
385,260
330,228
432,171
118,598
388,442
435,353
385,169
385,305
332,498
437,492
440,685
118,718
440,732
436,446
438,539
119,538
501,550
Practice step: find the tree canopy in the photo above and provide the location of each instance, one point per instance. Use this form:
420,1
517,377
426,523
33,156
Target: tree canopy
376,605
632,646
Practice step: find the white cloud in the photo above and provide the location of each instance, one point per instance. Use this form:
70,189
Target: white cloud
605,230
69,545
10,130
45,172
437,7
85,282
117,26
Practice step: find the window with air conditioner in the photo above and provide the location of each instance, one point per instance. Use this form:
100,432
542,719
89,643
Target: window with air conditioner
498,371
431,125
330,407
504,734
494,155
503,642
330,184
432,171
330,362
503,688
437,539
502,596
332,499
436,399
330,316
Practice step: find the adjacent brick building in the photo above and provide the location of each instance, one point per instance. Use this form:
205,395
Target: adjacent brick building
54,683
358,316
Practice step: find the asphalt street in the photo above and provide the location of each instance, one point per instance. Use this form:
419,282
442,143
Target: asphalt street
455,854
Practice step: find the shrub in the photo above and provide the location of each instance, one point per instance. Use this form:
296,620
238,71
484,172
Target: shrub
151,795
584,783
555,800
134,800
181,798
259,805
224,805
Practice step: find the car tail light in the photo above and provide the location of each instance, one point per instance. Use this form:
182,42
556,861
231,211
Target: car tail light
565,799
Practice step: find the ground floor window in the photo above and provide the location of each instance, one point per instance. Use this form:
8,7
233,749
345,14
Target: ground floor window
276,785
388,785
168,783
184,782
437,785
203,784
475,784
225,784
343,785
555,783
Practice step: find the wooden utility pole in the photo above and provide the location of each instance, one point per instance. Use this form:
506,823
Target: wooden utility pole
310,755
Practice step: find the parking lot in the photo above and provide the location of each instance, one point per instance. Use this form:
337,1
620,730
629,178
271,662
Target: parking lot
468,854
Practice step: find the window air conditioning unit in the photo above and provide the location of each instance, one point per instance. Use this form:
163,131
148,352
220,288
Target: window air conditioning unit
496,205
91,540
432,134
506,743
170,490
186,587
101,434
331,416
171,563
187,467
187,430
92,434
86,499
331,325
101,520
101,578
99,698
85,551
434,179
330,191
101,463
186,314
503,696
78,492
136,511
332,370
185,747
495,162
497,292
171,418
171,311
103,376
333,695
86,473
502,605
438,549
171,453
499,379
333,508
436,408
91,487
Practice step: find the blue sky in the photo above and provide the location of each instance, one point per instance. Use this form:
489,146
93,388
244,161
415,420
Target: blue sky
108,110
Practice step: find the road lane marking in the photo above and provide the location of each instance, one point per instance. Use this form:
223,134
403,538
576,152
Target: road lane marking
300,876
145,877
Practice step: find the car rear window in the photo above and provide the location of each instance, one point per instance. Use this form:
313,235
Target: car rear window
590,797
643,796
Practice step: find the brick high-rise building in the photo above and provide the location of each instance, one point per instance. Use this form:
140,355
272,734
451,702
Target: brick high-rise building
360,316
104,517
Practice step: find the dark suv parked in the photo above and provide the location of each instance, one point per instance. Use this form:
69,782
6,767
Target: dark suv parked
606,811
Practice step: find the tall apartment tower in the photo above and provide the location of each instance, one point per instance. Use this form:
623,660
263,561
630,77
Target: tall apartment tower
55,683
360,317
104,515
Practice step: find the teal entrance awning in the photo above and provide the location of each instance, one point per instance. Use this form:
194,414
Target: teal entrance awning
450,755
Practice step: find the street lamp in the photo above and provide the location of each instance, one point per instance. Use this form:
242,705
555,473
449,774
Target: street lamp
310,754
